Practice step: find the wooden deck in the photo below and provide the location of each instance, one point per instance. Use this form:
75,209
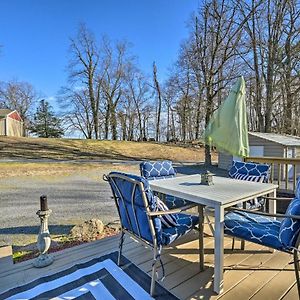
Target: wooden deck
251,274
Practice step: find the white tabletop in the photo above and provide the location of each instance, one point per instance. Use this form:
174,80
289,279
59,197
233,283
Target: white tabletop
224,191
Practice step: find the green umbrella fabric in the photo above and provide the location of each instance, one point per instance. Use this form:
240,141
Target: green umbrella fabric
228,128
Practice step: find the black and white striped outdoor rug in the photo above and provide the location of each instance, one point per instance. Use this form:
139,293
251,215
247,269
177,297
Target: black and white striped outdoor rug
99,278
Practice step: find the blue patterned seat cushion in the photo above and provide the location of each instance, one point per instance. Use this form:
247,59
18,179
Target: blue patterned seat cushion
289,229
162,170
264,230
254,228
185,224
174,202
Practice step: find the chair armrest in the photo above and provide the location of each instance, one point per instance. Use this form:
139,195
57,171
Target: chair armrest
171,211
277,198
263,213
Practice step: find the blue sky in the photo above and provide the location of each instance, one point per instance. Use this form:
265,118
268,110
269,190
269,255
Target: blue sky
35,34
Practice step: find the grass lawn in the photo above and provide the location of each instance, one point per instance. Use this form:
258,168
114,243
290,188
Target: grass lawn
76,149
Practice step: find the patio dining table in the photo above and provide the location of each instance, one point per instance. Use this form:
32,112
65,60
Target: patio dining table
225,192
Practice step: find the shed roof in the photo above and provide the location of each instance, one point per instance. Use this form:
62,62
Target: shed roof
5,112
285,140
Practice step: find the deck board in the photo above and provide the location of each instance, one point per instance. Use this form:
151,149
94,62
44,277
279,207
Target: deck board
251,274
291,294
239,258
250,284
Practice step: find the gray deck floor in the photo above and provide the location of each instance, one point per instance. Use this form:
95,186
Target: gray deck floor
251,274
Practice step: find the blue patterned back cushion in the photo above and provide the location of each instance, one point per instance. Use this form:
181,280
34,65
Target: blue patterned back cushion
289,228
297,190
249,169
157,170
123,189
166,220
249,177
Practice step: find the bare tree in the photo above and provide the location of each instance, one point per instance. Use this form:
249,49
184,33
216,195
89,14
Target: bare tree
137,91
273,32
290,66
215,37
170,96
78,114
113,79
83,70
20,96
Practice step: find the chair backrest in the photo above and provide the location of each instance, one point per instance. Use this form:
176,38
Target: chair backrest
134,199
290,228
157,169
249,171
297,190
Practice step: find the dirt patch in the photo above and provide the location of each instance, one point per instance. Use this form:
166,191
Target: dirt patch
49,169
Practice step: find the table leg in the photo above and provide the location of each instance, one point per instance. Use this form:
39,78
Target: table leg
272,210
219,249
243,241
272,203
201,239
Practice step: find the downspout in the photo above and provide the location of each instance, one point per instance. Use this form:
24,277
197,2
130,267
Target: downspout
285,151
5,126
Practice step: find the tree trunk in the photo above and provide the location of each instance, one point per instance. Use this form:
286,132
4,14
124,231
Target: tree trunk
106,124
113,122
157,87
208,114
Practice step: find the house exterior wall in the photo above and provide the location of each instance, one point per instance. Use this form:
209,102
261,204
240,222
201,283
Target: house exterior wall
270,148
2,126
14,127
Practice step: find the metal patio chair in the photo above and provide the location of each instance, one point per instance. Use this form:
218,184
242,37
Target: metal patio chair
157,170
262,228
250,171
139,217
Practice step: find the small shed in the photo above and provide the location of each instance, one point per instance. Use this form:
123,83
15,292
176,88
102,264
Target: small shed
266,144
11,123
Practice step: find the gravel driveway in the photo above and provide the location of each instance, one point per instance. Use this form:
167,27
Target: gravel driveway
72,199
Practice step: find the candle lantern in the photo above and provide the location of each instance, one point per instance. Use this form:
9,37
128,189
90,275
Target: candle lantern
207,178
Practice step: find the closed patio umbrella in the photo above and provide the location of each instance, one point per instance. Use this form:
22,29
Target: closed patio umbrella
227,129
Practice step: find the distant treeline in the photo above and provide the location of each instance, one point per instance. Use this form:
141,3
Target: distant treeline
109,97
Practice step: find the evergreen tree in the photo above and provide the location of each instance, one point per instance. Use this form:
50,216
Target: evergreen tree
45,123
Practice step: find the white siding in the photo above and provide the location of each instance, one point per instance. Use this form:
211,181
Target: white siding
270,148
2,127
14,128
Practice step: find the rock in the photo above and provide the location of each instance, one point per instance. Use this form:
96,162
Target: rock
87,231
116,226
